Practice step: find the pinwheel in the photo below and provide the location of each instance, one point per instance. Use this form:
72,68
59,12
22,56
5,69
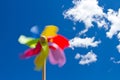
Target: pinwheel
50,44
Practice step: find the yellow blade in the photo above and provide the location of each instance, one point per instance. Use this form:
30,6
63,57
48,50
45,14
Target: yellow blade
39,60
50,30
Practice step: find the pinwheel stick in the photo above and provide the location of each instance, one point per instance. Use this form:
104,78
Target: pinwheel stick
44,71
42,38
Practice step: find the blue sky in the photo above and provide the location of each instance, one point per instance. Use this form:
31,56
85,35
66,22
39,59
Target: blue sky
92,27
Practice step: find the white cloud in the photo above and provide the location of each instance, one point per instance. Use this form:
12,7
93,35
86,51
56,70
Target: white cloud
114,61
74,28
114,19
118,47
90,57
83,42
86,11
89,11
35,30
118,36
112,58
77,56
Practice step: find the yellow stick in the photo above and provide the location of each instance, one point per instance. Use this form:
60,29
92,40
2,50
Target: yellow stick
44,71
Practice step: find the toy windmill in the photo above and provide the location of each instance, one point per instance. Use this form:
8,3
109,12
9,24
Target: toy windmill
50,45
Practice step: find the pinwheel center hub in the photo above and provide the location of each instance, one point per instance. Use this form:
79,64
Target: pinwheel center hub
42,39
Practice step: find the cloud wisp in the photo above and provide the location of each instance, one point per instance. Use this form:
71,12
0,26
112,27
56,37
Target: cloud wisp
90,57
114,19
118,48
114,61
83,42
86,11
